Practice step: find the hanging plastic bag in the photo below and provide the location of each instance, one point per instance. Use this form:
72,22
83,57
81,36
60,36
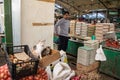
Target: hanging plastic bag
100,56
63,56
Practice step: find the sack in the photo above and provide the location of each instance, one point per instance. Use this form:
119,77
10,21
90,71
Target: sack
49,72
62,71
100,54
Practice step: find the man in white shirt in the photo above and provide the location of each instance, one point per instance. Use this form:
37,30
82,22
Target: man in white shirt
64,25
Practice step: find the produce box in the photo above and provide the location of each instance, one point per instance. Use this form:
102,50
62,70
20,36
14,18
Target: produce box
45,61
41,75
93,75
85,55
20,61
92,43
73,46
85,69
78,28
2,57
72,27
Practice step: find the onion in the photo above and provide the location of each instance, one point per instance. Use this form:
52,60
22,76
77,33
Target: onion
1,75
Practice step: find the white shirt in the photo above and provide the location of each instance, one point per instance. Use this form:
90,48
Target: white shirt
64,27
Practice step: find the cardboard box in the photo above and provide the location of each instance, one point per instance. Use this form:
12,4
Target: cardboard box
85,55
85,69
45,61
93,75
78,72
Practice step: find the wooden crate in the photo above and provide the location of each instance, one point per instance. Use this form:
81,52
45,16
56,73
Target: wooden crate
85,69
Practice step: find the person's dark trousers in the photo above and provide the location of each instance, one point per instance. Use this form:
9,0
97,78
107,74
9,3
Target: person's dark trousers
63,43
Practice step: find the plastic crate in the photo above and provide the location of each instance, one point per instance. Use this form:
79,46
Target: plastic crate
73,47
2,57
17,73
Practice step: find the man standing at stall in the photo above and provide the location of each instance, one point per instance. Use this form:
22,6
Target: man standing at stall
63,25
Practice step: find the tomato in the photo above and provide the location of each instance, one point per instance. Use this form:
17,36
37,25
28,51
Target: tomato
5,76
8,78
36,78
30,77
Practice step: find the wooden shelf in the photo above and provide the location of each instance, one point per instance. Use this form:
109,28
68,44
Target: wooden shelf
42,24
48,0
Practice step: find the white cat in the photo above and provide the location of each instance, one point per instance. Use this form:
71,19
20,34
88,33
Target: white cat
39,48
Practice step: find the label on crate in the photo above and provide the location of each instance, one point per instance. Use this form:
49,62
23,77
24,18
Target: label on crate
22,56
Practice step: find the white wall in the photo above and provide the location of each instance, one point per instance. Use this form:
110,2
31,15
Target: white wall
16,21
40,12
1,18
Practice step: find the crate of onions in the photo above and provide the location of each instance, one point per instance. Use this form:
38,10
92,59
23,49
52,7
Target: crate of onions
20,61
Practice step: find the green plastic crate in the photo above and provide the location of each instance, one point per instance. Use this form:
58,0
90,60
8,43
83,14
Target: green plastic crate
118,35
73,47
55,38
112,65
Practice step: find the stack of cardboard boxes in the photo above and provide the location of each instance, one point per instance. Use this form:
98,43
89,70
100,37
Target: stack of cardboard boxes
91,30
72,27
78,28
103,28
86,57
84,29
99,32
81,29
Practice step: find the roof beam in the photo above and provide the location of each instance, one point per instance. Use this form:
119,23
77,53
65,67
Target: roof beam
103,4
69,5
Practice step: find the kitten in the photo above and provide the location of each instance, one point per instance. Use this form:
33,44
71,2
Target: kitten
46,51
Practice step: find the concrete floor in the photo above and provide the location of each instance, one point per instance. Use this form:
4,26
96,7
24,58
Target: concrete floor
72,63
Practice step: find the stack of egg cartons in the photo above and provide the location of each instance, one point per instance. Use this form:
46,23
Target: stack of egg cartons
84,55
72,27
106,28
85,60
92,44
90,30
84,29
99,32
78,28
112,27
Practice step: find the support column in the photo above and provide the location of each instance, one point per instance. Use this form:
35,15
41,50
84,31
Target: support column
8,22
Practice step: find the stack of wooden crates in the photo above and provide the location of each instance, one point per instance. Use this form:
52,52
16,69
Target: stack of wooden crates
86,57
